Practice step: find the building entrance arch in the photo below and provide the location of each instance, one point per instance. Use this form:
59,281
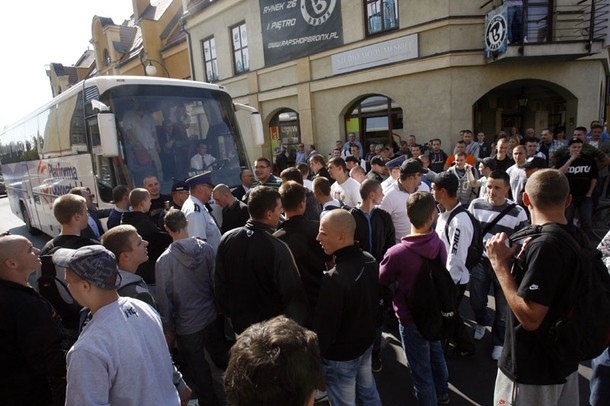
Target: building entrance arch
522,104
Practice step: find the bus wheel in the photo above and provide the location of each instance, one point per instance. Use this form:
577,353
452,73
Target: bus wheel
28,221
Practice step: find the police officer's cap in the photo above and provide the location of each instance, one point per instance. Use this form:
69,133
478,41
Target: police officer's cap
396,162
204,178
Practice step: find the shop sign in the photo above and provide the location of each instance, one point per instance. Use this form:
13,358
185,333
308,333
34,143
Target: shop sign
382,53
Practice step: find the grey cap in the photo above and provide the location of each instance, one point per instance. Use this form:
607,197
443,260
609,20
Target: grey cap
93,263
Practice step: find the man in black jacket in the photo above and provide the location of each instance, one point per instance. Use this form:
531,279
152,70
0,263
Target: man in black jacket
299,233
346,313
234,212
375,234
256,277
158,240
32,357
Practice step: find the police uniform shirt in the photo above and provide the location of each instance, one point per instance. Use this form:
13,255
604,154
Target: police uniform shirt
200,222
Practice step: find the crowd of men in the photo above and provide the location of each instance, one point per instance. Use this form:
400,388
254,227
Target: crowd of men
290,293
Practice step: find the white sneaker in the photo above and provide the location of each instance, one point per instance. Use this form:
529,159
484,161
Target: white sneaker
479,332
497,352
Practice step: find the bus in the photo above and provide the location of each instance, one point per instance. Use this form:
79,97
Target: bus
116,130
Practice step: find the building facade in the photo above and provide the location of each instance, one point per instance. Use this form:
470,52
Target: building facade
385,69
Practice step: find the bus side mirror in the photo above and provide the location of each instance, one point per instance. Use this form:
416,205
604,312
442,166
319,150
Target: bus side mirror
256,123
109,141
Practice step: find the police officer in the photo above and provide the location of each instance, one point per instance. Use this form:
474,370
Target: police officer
200,221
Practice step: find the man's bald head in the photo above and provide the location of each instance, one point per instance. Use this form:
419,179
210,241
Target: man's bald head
9,245
341,220
18,258
337,229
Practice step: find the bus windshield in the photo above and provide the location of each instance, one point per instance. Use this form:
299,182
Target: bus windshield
172,133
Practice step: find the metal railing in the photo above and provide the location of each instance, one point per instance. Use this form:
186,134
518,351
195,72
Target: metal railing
558,21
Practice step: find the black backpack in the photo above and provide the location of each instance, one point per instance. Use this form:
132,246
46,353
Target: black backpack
432,304
582,329
475,249
55,290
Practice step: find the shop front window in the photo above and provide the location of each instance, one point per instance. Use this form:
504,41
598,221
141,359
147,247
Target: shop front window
375,120
285,130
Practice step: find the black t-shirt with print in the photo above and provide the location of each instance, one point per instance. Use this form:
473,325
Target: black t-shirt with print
579,174
546,266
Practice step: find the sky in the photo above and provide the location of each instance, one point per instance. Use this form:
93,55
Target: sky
35,34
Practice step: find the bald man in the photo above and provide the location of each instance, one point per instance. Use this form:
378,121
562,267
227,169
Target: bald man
234,212
33,363
345,314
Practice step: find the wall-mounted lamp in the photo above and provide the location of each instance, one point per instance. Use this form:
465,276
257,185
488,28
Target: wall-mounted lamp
150,69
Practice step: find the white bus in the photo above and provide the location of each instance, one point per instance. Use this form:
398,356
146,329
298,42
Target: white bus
113,130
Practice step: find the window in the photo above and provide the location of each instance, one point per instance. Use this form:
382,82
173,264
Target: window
209,59
381,15
240,48
107,60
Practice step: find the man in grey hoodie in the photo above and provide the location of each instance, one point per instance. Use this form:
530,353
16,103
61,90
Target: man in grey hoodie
185,296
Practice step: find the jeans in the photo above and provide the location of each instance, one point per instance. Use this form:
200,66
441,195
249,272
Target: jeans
600,380
461,337
346,378
482,277
192,348
428,368
515,23
584,205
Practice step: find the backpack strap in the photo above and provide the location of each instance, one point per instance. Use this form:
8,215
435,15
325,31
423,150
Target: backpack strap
454,213
498,218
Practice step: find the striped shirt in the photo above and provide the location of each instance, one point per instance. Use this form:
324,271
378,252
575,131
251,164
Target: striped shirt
485,212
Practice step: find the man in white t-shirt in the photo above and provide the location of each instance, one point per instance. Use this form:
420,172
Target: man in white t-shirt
396,196
345,188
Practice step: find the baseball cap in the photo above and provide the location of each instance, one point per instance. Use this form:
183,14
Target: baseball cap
93,263
378,160
446,180
179,186
535,162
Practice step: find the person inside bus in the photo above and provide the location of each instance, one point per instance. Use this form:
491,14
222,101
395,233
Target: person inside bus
167,143
181,120
139,129
202,159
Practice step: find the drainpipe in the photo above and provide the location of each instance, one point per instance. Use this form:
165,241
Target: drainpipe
182,23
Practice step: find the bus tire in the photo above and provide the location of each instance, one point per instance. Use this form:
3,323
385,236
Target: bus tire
28,221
